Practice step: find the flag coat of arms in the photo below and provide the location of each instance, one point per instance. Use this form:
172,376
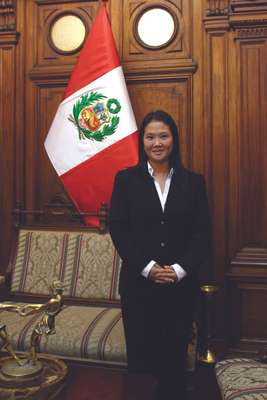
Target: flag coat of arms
94,133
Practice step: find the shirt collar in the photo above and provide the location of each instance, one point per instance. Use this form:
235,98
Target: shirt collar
151,171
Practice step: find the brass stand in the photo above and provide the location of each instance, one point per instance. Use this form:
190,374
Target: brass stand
207,355
40,381
25,372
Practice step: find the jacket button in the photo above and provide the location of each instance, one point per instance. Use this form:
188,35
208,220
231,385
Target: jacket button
162,244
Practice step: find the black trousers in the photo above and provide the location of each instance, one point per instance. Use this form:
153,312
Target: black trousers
157,322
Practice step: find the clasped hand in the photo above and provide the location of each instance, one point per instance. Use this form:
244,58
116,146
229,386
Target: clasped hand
163,275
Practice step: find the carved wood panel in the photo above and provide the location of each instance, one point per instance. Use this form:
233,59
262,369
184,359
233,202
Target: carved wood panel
46,15
235,85
253,143
8,42
7,159
251,164
47,101
248,183
169,95
178,53
133,48
248,326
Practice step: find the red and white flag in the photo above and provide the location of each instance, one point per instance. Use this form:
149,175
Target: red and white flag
94,133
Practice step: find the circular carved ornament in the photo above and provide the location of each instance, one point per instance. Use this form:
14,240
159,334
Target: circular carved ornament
67,33
156,27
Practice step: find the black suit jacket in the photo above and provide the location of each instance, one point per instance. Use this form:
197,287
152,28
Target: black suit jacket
142,232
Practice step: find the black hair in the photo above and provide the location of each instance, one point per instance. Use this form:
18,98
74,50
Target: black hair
162,116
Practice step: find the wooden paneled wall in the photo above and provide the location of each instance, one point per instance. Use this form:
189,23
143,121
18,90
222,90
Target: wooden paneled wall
212,77
8,44
247,237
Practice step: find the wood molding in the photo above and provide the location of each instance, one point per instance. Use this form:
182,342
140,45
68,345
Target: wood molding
9,38
216,17
218,24
215,8
248,6
249,265
42,2
60,211
44,75
251,256
7,15
149,70
245,23
47,75
249,27
246,33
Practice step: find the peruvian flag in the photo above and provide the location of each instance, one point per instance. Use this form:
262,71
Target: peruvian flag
94,133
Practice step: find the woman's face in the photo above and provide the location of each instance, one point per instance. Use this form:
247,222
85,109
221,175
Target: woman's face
158,142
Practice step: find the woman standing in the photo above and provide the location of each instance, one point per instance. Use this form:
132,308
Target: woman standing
159,222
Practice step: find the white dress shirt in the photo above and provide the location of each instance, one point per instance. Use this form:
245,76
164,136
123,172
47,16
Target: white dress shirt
180,272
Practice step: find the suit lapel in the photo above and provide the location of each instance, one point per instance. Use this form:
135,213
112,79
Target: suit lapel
151,190
176,197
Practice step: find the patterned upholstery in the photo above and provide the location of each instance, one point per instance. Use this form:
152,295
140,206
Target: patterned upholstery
82,332
89,266
242,379
86,262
